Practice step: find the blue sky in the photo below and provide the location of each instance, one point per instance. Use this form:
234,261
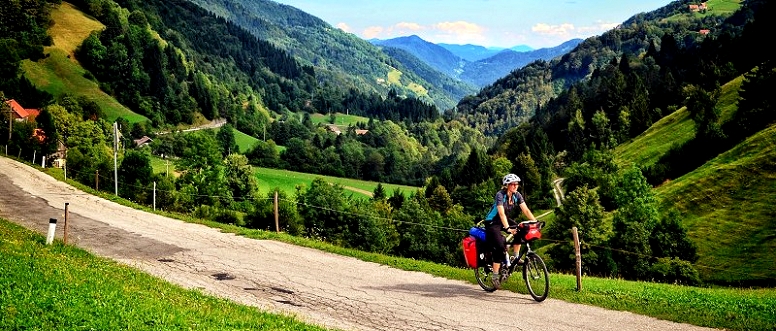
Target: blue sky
490,23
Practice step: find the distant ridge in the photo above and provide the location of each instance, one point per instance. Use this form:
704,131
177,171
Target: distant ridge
473,64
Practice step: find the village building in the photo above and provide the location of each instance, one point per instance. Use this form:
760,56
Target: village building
21,114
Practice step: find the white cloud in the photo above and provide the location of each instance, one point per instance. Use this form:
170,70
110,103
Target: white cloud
451,32
597,28
459,28
562,30
373,32
409,26
344,27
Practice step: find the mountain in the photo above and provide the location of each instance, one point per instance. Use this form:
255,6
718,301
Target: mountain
490,64
339,58
470,52
434,55
487,71
522,48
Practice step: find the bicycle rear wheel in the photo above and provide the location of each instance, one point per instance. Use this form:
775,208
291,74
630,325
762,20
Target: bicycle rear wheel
537,279
483,275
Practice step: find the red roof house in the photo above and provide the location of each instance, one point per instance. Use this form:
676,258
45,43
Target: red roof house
20,113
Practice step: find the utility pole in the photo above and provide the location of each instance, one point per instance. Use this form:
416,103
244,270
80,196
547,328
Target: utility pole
115,157
7,108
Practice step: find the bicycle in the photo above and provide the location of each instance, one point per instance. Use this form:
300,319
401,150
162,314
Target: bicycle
535,274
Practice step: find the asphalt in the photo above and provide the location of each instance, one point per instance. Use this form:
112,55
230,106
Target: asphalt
316,287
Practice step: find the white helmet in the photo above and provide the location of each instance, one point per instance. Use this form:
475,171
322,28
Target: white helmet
510,178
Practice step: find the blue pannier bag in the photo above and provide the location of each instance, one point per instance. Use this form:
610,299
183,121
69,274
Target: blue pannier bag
477,232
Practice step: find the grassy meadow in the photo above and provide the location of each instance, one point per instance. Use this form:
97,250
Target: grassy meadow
726,204
715,8
675,128
65,287
60,287
288,180
244,141
59,73
340,119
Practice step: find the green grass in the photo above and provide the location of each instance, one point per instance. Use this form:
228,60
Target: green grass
675,128
340,119
724,308
162,166
59,287
726,204
715,8
722,7
287,181
244,141
59,73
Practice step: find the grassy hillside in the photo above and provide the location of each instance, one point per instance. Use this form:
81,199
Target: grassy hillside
675,128
58,287
726,204
59,73
288,180
244,141
130,296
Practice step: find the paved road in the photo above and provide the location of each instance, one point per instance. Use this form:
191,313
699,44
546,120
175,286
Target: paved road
317,287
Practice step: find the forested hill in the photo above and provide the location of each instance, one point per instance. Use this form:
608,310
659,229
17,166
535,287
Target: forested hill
339,58
175,59
515,98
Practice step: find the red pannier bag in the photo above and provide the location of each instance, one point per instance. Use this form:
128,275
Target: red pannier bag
530,230
470,251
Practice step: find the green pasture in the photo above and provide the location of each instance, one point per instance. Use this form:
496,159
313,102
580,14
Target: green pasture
59,73
60,287
244,141
288,180
726,203
675,128
340,119
55,287
722,7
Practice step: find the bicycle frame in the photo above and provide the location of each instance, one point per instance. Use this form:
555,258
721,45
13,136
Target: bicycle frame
534,270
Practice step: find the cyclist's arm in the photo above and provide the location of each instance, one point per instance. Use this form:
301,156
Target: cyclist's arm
503,217
527,212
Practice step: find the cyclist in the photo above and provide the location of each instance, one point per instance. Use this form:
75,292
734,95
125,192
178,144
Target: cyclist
496,221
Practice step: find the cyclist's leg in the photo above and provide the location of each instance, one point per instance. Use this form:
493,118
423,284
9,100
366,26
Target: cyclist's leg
515,240
497,243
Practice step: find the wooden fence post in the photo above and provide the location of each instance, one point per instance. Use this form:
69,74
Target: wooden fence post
67,205
277,223
579,258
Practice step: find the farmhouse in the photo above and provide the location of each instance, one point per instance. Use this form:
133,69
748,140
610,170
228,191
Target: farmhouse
697,8
145,140
21,114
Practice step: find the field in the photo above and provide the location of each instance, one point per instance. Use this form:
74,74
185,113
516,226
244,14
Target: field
269,179
288,180
58,287
676,128
55,287
60,73
726,203
244,141
341,120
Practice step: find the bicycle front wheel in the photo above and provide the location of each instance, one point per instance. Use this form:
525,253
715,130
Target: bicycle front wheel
483,275
537,279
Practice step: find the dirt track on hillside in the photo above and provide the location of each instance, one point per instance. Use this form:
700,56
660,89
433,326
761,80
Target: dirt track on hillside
317,287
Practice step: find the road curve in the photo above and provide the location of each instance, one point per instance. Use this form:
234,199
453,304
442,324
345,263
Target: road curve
317,287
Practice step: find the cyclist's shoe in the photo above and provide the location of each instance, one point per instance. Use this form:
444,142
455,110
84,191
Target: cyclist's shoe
496,279
519,262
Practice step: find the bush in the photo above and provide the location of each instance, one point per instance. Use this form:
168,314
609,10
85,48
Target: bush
674,271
